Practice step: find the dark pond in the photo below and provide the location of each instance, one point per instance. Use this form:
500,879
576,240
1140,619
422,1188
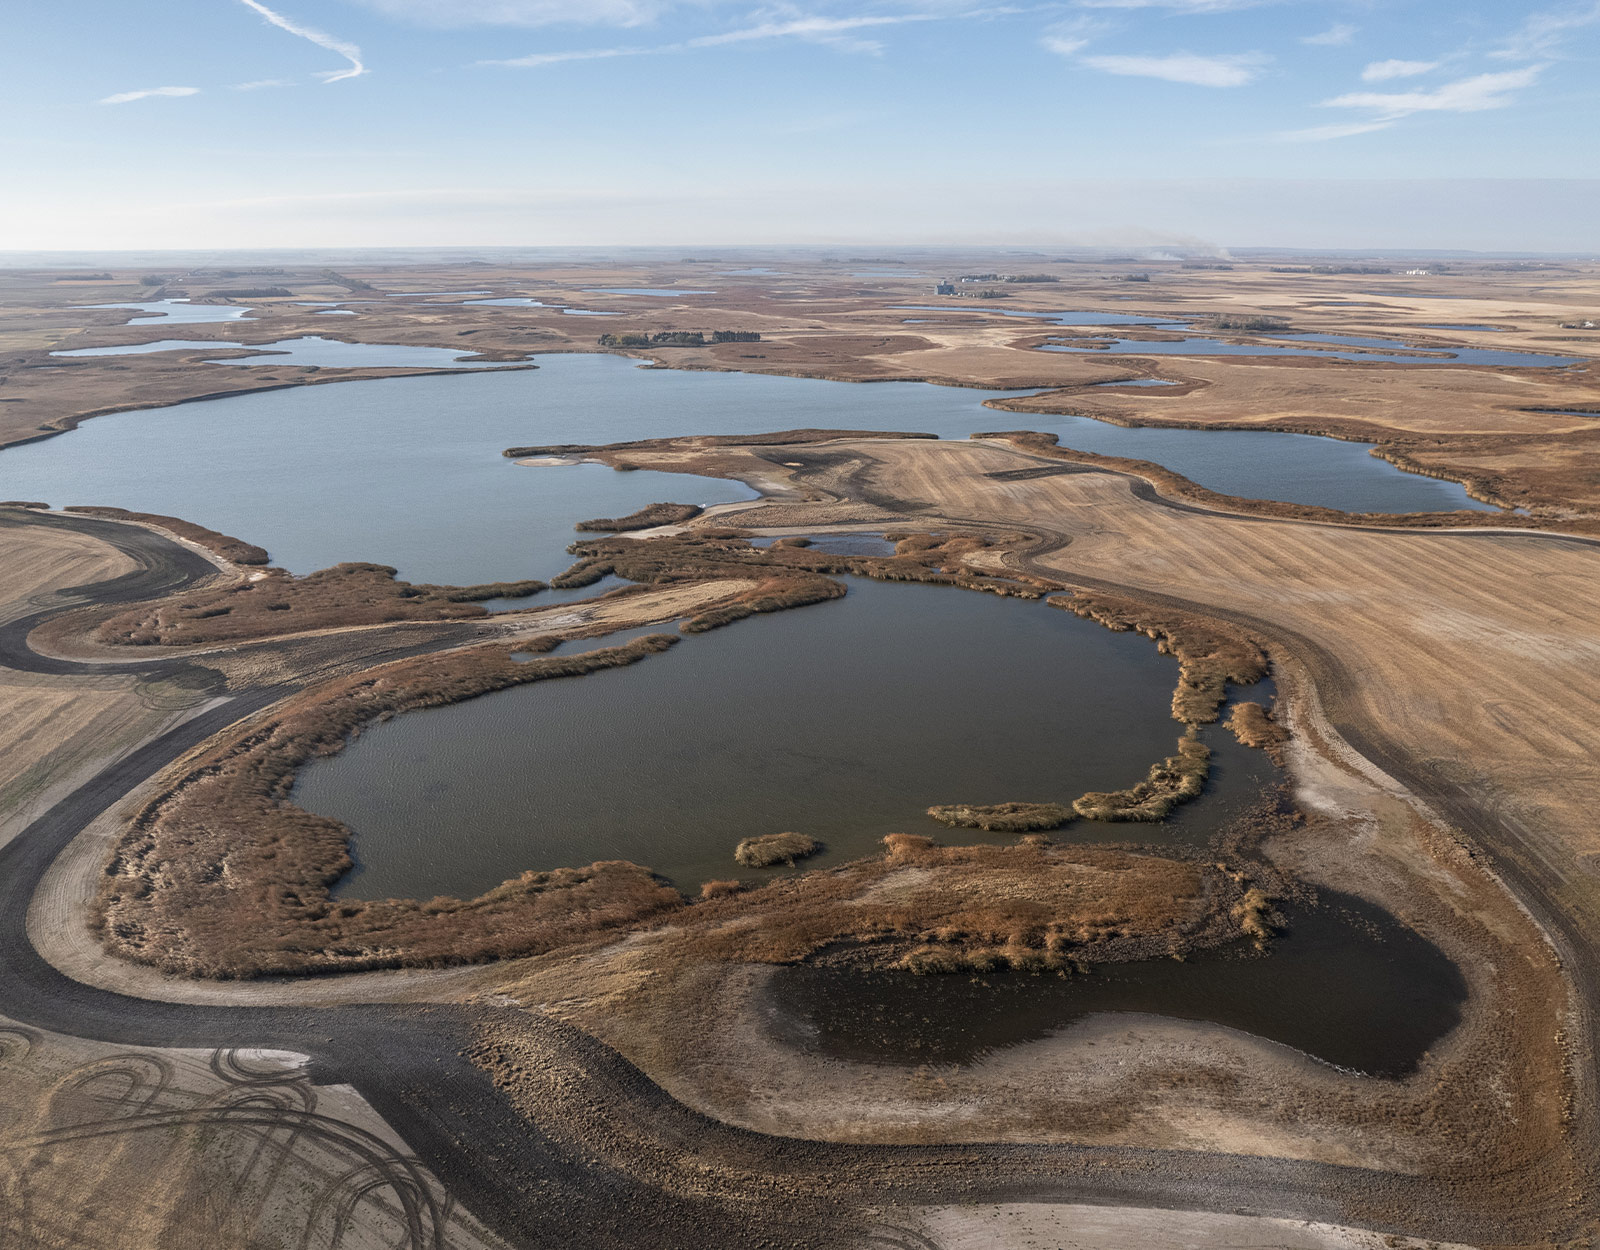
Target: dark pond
1347,984
1447,326
843,721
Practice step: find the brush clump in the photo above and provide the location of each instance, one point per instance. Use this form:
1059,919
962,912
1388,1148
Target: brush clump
1002,817
768,850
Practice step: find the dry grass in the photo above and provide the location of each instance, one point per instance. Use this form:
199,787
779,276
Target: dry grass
778,438
790,575
221,875
1255,726
280,603
768,850
1003,817
1175,780
647,517
936,908
1209,655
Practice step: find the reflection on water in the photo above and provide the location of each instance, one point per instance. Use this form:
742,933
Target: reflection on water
408,471
844,721
310,351
179,312
1347,984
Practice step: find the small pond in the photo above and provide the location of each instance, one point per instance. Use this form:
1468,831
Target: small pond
843,720
1347,984
310,351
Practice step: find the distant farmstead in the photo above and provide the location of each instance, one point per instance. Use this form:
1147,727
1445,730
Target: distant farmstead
945,288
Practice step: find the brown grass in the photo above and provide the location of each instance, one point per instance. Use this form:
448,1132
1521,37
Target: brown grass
1209,655
768,850
1255,726
647,517
1175,780
234,550
937,908
280,603
221,875
778,438
791,575
1003,817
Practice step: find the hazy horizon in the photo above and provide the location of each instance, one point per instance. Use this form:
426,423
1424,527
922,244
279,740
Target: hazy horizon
1337,124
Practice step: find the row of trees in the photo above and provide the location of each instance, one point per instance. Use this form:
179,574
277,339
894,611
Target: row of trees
678,338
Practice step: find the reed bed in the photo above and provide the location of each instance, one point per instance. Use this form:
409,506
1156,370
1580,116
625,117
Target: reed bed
221,875
278,603
768,850
647,517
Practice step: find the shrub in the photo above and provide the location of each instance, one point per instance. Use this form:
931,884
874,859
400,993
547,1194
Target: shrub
771,849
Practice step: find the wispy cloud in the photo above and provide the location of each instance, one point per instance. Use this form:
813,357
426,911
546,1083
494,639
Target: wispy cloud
1321,134
1333,37
1072,36
536,59
1543,34
1385,71
1185,67
834,32
322,39
455,13
1176,6
128,97
830,30
261,83
1466,95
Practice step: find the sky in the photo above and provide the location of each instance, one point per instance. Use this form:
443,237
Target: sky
1451,124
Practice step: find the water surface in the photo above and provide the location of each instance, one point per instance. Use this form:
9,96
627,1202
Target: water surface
311,351
1347,984
843,721
408,471
179,312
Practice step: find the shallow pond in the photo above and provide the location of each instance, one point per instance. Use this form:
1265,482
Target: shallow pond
179,312
1074,318
1216,347
310,351
408,471
843,720
1347,984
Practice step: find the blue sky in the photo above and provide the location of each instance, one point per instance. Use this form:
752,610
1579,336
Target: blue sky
295,123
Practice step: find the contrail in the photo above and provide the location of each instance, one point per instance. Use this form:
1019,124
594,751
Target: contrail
349,51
